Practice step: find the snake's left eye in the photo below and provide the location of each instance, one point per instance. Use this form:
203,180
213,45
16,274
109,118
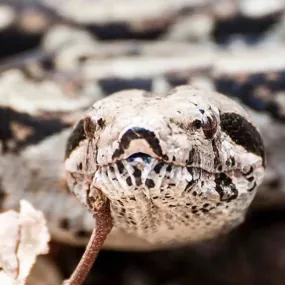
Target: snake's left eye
209,126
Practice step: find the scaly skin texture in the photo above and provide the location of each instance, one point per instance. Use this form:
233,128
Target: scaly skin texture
175,168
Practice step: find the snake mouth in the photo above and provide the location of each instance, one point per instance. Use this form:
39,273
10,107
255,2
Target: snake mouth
142,173
142,159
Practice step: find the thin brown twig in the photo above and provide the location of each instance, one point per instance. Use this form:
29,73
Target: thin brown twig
101,230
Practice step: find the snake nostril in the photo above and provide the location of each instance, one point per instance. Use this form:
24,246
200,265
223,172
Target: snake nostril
145,157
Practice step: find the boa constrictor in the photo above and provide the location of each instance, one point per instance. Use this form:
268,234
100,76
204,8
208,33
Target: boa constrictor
175,168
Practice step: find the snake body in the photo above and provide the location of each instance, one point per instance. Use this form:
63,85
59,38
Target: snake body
176,168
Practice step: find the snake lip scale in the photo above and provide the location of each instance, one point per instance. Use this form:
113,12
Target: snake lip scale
161,162
175,168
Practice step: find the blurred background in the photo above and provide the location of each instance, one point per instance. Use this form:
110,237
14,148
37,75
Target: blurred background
66,54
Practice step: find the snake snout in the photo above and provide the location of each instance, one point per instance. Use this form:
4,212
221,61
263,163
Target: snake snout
138,141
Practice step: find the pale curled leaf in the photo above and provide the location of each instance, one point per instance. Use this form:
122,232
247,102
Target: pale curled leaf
34,238
9,237
23,236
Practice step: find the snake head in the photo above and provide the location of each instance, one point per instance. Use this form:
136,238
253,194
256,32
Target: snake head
178,167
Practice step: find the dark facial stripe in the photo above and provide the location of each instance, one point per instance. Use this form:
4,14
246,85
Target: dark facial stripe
75,137
135,134
223,185
243,133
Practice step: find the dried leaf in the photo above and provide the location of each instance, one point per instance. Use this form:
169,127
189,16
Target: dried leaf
23,236
9,237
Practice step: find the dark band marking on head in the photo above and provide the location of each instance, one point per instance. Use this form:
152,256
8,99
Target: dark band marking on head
135,134
75,138
243,133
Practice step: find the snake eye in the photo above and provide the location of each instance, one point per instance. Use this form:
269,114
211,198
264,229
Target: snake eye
209,126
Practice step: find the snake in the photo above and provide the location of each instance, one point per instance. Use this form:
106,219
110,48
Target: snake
177,167
72,73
